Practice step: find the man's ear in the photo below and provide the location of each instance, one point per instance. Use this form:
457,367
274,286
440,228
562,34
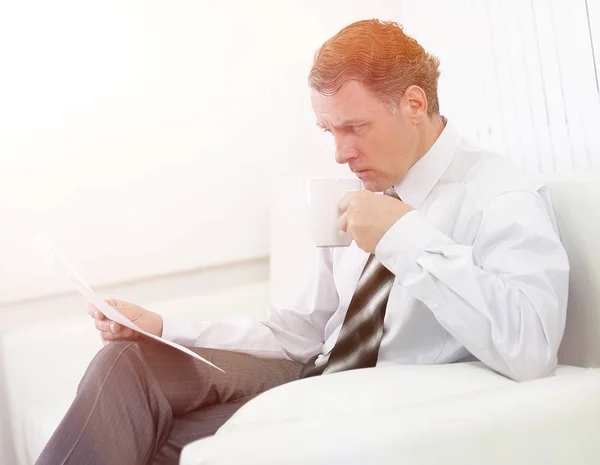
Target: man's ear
415,100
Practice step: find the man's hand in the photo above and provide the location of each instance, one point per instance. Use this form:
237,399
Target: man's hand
112,331
367,216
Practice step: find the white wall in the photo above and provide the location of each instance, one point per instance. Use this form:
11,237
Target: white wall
144,135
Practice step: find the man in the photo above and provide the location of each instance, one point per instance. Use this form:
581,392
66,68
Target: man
459,260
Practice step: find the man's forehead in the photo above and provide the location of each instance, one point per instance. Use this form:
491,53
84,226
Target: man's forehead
351,105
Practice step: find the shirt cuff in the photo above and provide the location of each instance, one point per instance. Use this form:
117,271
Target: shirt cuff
404,242
180,331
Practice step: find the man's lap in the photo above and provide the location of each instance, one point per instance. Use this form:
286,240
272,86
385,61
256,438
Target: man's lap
189,384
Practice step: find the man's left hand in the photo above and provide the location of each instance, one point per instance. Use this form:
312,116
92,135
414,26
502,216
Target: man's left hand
367,216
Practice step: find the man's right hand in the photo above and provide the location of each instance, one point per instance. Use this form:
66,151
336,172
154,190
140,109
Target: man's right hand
112,331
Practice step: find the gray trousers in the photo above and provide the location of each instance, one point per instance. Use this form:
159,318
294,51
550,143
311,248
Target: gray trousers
141,402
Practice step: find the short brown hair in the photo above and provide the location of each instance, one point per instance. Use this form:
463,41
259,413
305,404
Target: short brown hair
379,55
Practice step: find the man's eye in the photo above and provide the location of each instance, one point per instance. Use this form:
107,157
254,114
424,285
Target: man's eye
326,130
355,128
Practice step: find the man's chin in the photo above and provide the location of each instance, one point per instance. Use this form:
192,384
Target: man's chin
374,186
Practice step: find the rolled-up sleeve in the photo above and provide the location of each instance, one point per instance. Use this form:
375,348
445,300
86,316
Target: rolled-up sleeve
504,294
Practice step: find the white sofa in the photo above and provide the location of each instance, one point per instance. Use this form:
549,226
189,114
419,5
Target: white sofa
462,413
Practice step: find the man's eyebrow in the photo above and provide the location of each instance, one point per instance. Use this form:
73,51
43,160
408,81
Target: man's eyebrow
343,124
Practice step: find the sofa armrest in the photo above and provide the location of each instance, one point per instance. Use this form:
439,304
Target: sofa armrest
550,421
43,363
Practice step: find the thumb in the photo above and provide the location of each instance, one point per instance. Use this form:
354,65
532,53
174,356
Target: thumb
117,303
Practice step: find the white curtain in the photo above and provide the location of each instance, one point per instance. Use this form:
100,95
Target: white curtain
518,76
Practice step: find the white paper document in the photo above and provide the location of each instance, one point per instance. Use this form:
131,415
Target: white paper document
57,263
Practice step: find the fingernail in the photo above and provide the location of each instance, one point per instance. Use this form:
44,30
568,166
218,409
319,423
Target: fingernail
96,314
112,327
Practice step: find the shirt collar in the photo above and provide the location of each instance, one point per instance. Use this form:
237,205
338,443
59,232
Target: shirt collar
427,171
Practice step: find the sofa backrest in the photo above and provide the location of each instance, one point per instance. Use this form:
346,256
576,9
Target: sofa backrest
576,200
292,253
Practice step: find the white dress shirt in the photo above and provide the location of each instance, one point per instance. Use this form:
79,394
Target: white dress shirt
479,271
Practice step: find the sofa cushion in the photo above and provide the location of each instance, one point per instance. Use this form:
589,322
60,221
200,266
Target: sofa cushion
368,391
551,421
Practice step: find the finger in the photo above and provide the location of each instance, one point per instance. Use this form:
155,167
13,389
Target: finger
104,325
94,312
117,329
109,336
347,200
116,303
91,309
112,302
127,333
124,334
343,222
121,331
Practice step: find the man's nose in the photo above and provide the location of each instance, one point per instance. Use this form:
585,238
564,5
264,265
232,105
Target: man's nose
344,153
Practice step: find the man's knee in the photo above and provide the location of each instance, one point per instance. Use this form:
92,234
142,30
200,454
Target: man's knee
117,352
119,356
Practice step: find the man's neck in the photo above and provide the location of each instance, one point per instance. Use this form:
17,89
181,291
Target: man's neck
430,133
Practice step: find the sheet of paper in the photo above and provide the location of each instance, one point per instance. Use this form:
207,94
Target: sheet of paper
59,264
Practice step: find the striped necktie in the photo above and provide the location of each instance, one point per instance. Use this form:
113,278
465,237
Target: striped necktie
360,336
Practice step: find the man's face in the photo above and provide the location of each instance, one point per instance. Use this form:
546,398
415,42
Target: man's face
378,145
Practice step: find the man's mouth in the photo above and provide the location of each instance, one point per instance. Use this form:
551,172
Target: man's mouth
362,173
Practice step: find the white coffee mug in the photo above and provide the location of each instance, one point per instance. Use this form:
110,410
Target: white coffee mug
324,196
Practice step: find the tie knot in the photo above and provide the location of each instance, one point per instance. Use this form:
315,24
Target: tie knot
391,193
